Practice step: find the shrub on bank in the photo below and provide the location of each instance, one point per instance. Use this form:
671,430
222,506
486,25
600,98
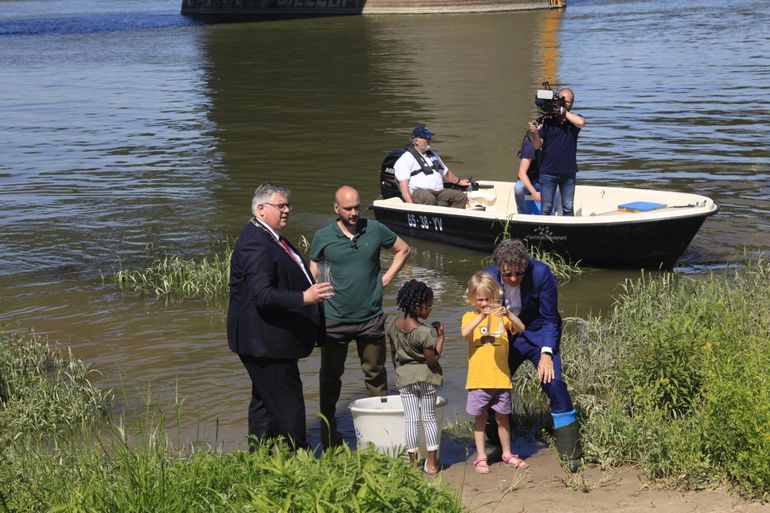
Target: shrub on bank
154,477
686,391
43,388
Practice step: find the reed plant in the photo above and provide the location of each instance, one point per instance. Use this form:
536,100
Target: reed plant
171,275
43,387
675,379
562,267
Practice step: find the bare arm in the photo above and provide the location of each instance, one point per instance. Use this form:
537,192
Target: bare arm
392,351
523,168
432,354
450,177
313,269
403,185
517,325
401,252
576,119
534,135
440,337
467,330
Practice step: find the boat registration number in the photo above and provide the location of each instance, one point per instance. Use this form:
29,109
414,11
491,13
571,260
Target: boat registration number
424,222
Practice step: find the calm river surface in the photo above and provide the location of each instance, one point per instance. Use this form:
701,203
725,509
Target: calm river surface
126,125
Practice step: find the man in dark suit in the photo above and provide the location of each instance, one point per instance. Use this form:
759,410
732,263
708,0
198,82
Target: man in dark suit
274,318
530,292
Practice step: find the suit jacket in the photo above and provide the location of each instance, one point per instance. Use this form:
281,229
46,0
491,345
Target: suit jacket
539,305
266,317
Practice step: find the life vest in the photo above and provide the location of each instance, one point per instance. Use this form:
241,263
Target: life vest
389,185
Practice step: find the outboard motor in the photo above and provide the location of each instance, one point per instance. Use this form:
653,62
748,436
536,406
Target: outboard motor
388,183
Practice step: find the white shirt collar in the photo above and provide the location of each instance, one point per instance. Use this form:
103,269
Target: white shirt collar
275,234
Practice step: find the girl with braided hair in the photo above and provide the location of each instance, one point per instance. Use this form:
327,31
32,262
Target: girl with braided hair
415,351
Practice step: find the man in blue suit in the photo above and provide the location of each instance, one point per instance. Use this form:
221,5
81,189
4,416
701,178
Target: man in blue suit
530,292
274,318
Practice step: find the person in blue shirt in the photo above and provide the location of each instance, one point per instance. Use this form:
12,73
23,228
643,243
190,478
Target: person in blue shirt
557,138
529,180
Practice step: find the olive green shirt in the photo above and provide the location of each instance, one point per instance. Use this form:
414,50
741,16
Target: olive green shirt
355,269
410,361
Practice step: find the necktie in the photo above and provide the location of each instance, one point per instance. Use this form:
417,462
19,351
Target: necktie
297,260
288,249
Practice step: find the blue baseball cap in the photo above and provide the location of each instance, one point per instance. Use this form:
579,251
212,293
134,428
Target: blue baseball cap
422,131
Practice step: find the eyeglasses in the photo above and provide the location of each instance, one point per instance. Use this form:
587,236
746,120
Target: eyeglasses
512,273
280,206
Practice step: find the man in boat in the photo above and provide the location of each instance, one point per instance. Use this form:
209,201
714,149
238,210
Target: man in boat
557,136
351,245
421,174
274,318
530,292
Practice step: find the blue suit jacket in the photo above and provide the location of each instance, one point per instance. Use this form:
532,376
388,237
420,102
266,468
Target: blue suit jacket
539,305
266,317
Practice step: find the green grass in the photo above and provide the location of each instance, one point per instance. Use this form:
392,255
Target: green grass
151,475
42,387
171,275
675,379
563,268
62,451
560,266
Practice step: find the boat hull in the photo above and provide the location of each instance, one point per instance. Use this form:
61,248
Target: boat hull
630,240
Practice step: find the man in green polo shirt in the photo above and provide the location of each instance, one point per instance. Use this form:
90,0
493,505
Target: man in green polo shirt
351,246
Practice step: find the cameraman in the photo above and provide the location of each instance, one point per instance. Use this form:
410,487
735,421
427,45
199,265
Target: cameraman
557,136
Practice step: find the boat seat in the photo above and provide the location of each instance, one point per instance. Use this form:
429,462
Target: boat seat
483,198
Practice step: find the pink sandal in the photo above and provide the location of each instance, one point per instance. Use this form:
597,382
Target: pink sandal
514,461
481,466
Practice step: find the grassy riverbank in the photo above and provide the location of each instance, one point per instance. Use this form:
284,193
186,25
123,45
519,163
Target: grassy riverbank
62,451
675,380
43,388
151,475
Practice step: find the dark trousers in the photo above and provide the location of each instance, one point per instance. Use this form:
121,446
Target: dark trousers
370,343
277,405
558,395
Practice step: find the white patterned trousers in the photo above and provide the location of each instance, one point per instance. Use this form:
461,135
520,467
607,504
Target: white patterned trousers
419,399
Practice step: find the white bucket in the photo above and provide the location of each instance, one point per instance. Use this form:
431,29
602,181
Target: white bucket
380,420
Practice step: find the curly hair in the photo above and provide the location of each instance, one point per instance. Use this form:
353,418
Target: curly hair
511,252
485,283
413,293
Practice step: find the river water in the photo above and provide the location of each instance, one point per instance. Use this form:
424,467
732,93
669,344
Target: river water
126,125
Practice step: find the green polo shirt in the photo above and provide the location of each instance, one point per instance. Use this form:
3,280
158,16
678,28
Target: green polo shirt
355,266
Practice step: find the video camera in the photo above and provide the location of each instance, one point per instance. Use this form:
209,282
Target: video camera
548,101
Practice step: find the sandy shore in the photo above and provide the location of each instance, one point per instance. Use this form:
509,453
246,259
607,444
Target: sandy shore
546,487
